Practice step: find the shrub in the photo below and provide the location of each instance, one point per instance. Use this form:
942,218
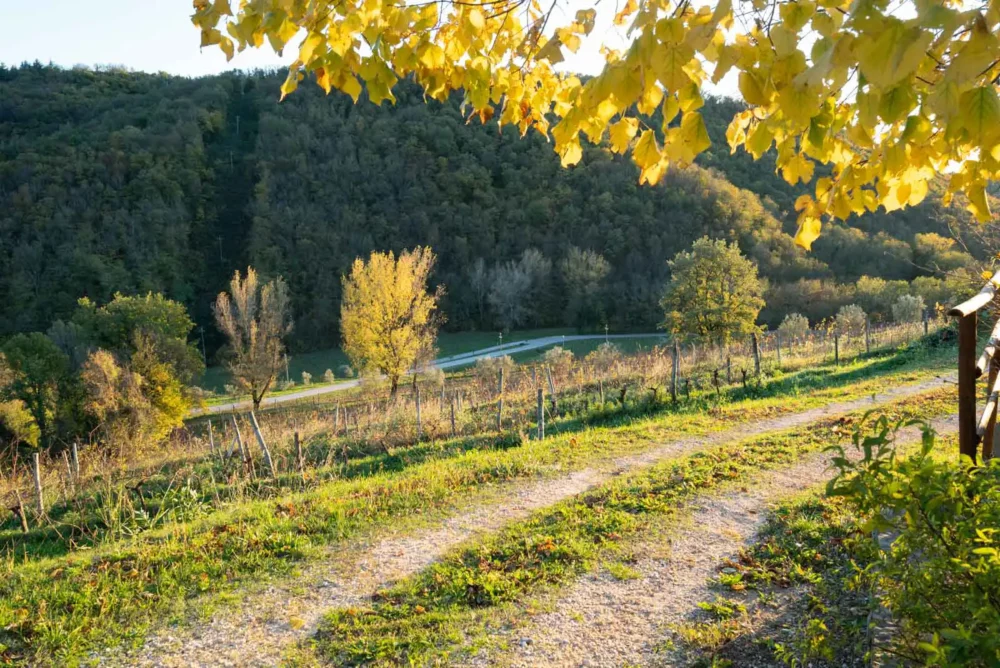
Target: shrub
795,326
307,378
908,308
558,358
346,371
606,355
850,320
286,384
328,376
941,577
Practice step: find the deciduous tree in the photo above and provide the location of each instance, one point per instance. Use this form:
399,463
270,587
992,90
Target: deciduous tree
255,317
388,317
714,293
886,96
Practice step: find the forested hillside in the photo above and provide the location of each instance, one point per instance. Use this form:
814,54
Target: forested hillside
116,181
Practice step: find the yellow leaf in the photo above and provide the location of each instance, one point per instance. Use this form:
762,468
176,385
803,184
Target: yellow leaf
432,56
291,83
797,14
808,232
646,152
785,40
694,134
351,86
981,116
759,140
894,55
309,45
976,57
476,19
799,168
896,104
979,205
571,152
622,133
670,109
650,99
751,90
689,97
668,64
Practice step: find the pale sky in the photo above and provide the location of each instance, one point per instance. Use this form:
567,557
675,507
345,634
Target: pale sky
157,36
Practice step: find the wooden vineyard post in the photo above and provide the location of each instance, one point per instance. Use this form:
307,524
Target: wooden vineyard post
836,349
552,388
541,414
756,354
674,369
211,438
300,462
263,445
777,347
37,471
75,454
926,322
729,370
868,335
416,401
452,403
967,385
500,400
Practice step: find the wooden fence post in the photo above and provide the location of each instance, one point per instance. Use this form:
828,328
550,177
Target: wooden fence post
868,335
729,369
926,322
836,349
777,347
263,445
452,403
38,483
75,454
756,353
211,438
967,385
500,400
674,369
541,414
239,441
416,401
300,461
552,388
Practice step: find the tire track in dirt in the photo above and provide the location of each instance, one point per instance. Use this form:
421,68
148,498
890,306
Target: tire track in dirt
267,622
601,621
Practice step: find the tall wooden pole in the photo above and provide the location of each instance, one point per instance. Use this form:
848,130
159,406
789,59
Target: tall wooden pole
674,369
541,414
967,422
500,401
991,425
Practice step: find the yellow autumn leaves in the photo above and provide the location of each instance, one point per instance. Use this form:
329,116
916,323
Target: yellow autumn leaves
888,99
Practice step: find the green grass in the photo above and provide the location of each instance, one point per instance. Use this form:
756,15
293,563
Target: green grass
53,609
456,604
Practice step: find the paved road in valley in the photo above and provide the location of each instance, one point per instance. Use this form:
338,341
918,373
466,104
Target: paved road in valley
450,362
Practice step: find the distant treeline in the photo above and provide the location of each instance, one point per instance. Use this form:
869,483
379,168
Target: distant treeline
117,181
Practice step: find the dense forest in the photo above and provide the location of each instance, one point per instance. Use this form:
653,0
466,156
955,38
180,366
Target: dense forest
114,181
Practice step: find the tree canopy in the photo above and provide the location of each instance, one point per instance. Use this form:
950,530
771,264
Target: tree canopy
714,294
887,99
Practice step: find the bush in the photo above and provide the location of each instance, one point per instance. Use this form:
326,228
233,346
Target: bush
488,367
286,384
908,308
328,376
941,577
558,358
795,326
307,378
605,357
850,320
346,371
433,376
230,390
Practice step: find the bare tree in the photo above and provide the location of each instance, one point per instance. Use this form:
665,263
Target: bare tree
255,318
509,291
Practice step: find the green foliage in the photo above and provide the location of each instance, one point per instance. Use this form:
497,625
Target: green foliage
714,293
794,326
908,308
851,320
941,573
39,374
179,182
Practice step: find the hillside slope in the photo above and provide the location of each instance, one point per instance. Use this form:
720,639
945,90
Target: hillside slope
116,181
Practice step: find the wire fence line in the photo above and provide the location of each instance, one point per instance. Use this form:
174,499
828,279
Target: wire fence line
494,402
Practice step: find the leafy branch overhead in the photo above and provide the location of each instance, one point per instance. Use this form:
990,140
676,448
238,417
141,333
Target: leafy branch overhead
888,94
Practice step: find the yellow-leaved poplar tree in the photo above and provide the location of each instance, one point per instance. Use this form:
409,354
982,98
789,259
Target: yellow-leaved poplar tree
888,94
388,317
